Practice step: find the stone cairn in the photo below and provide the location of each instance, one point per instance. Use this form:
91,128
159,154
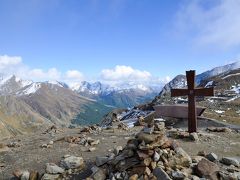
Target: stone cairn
153,156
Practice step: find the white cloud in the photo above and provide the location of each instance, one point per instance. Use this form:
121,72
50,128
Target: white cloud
74,74
124,73
73,77
39,74
119,74
7,61
14,65
216,24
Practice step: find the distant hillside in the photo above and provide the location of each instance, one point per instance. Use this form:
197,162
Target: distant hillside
120,96
217,71
36,105
16,117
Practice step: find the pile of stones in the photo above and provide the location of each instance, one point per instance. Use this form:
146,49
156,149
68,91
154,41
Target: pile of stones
82,140
151,155
91,129
68,166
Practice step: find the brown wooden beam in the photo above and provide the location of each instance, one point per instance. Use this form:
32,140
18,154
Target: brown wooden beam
204,92
190,79
179,92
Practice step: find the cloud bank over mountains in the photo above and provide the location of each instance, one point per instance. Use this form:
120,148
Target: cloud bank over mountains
119,74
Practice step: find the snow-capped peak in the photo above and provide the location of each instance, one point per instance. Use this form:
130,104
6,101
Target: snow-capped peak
34,87
101,88
58,83
13,78
217,71
92,88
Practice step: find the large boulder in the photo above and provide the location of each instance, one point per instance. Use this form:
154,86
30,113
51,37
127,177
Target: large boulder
52,168
180,159
72,162
207,169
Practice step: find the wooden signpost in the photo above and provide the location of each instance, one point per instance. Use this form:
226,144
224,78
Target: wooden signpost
192,92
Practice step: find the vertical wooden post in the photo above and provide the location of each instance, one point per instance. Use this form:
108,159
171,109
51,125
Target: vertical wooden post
192,117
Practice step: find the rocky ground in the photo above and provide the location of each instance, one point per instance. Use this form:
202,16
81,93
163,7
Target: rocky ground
73,153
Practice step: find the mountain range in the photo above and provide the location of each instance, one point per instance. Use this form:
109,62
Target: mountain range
26,106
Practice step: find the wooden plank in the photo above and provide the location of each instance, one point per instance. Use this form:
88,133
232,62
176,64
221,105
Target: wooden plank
175,111
179,92
204,92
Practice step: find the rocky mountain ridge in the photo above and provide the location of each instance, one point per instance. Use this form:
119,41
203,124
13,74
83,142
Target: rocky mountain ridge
217,71
27,106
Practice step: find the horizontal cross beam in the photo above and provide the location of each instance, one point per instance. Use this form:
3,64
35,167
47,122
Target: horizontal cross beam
195,92
204,92
179,92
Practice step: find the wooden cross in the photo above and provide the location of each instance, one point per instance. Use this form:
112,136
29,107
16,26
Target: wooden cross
192,92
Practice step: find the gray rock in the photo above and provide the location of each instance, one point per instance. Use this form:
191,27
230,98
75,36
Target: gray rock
194,136
160,174
195,178
50,177
117,150
156,157
212,157
72,162
178,175
52,168
66,156
95,142
101,160
100,174
91,149
230,161
44,146
25,175
181,158
94,169
148,130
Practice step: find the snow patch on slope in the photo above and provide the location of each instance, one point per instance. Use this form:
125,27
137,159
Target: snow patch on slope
236,88
209,84
34,87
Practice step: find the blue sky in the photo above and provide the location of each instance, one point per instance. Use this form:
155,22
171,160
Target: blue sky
117,39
